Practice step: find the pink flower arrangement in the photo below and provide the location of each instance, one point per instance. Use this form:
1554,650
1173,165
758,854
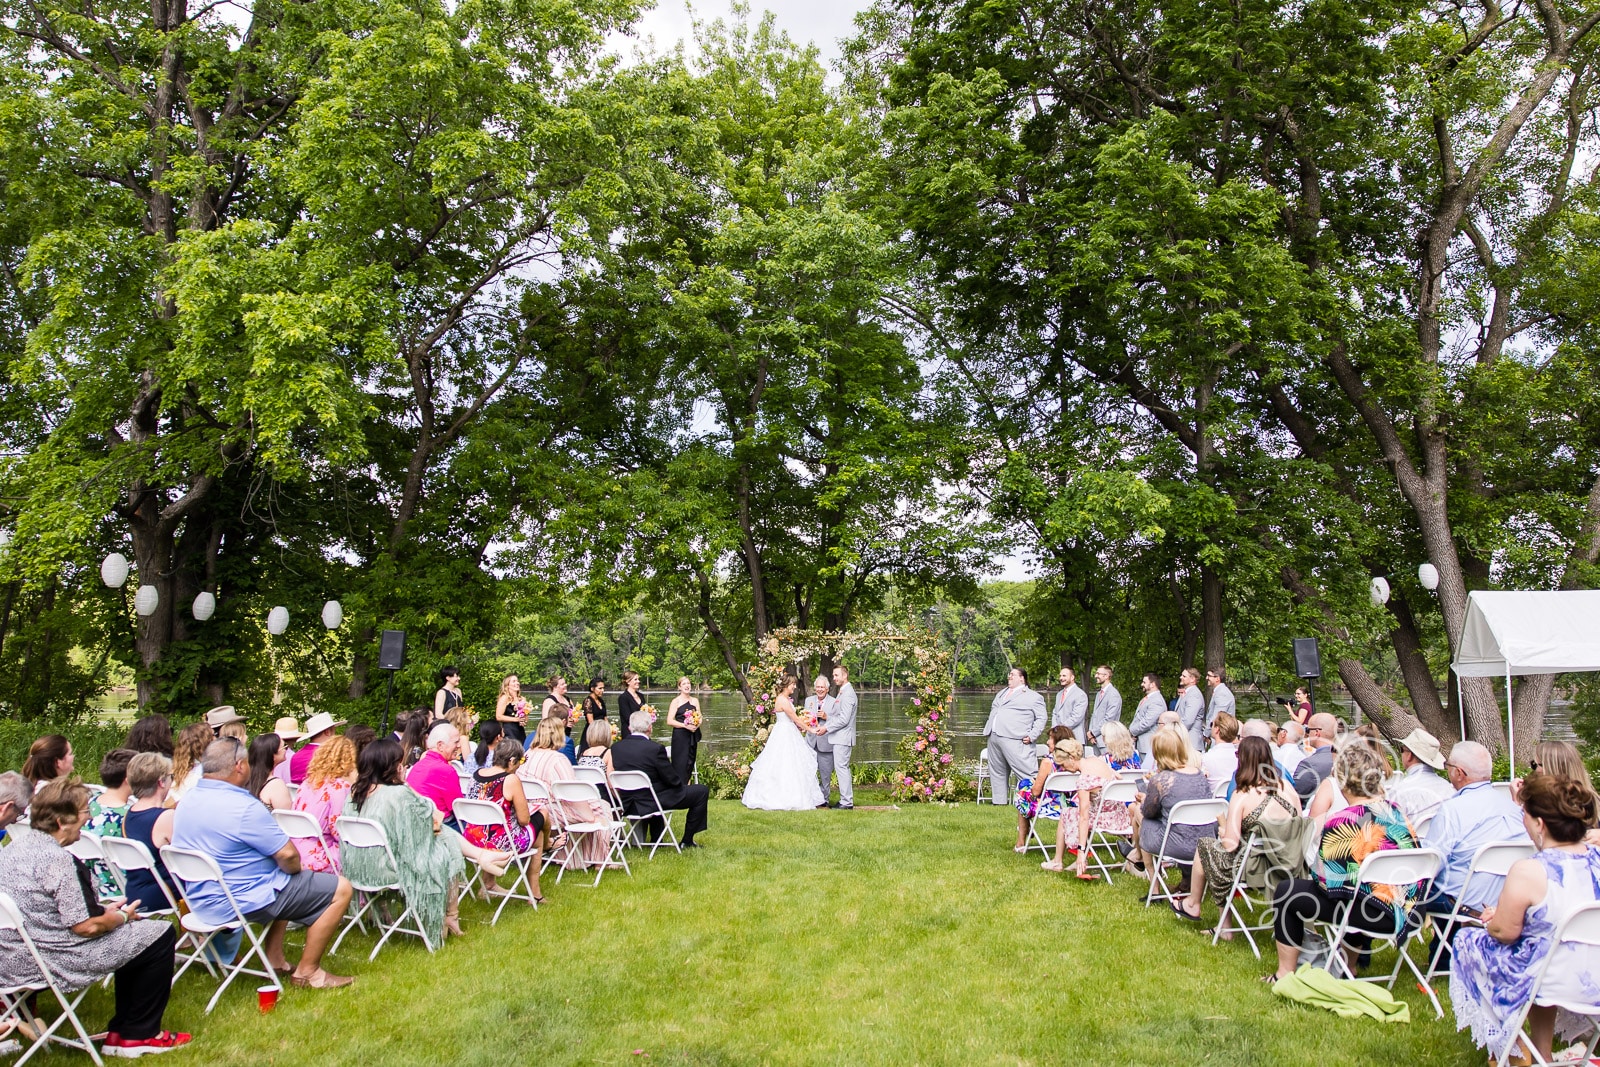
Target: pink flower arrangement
917,701
946,758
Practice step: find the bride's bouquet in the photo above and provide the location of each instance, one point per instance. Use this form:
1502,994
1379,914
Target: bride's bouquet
691,717
807,719
650,710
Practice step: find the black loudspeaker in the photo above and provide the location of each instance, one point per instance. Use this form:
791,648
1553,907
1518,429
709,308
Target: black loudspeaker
392,650
1307,661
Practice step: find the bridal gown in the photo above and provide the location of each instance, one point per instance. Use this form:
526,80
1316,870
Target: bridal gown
784,776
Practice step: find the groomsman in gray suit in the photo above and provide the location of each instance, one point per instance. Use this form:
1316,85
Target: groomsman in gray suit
1072,705
1016,718
841,730
819,704
1221,697
1107,704
1147,716
1191,705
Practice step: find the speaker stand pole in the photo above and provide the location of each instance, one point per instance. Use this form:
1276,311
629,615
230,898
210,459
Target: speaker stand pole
389,697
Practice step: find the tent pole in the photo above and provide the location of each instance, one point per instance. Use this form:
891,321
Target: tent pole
1511,730
1462,708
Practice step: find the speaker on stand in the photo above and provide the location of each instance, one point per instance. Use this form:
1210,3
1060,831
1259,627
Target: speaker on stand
1308,666
391,657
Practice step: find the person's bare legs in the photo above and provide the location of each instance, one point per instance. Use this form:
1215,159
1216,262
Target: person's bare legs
1059,863
1084,810
1022,831
1136,817
1191,903
1288,959
273,943
320,932
1542,1028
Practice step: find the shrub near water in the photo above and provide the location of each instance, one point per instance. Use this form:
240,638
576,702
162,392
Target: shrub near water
90,741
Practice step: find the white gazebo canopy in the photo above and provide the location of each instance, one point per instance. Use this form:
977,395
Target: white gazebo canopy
1527,631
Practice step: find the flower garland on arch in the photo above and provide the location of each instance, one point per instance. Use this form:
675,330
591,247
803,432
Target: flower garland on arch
927,769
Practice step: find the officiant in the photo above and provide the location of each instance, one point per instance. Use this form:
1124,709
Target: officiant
1016,718
820,703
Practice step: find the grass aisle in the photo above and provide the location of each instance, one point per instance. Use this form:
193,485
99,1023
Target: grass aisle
872,937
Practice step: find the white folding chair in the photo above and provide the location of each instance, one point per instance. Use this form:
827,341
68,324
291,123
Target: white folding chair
1398,868
1581,927
358,834
1100,834
1502,788
122,855
1232,916
1057,782
196,868
596,776
14,995
488,813
576,792
1419,829
1184,813
1493,859
983,773
639,782
298,825
87,848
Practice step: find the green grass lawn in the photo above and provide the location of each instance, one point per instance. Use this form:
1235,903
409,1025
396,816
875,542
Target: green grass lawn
874,937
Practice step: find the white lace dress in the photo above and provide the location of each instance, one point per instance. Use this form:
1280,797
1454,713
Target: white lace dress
784,776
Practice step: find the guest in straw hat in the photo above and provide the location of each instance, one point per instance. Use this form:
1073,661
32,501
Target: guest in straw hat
319,728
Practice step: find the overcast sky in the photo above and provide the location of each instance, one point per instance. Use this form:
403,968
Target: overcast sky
822,22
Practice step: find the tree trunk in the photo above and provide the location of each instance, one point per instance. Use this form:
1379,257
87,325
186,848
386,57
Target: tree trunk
1185,623
1418,678
709,621
1375,704
1211,618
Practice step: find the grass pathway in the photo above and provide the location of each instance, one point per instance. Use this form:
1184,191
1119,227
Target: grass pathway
873,937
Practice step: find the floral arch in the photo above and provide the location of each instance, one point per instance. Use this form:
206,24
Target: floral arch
927,768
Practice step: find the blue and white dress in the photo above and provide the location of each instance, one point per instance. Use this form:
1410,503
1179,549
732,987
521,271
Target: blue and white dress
1491,981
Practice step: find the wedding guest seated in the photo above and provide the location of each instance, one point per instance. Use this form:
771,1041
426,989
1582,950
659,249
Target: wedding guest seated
547,763
489,734
152,733
319,728
1561,759
361,736
149,822
107,810
322,796
1118,743
1317,763
1290,747
1368,824
637,752
49,757
261,865
1493,967
1222,758
1094,774
187,751
265,752
15,792
1419,791
1047,806
429,852
80,940
433,777
1476,814
463,719
1263,804
497,782
1174,781
288,730
597,746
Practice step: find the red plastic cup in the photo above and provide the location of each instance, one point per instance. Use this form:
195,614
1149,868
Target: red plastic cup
267,998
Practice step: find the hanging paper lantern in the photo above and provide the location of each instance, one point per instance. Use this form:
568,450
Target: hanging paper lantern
1428,575
332,614
114,571
146,600
5,538
1379,589
277,620
205,606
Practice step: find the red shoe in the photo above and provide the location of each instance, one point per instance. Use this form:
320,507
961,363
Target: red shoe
130,1049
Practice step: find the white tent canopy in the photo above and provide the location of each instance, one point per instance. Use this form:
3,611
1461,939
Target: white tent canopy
1528,631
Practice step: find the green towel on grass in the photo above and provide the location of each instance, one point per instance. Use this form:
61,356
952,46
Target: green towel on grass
1344,997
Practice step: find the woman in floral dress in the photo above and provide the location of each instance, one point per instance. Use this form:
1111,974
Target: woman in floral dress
322,796
1492,969
1030,807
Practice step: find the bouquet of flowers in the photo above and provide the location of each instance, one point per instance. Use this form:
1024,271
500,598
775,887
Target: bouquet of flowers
650,710
616,732
692,718
808,720
576,717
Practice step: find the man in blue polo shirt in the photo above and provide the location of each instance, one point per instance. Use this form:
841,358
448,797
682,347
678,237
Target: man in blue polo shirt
220,818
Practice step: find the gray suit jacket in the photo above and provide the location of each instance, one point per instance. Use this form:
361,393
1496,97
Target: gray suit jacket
1312,770
1221,701
820,742
1016,713
841,724
1192,709
1107,708
1072,708
1146,718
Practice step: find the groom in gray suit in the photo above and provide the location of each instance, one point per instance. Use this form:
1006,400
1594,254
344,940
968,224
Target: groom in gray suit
819,703
840,722
1017,717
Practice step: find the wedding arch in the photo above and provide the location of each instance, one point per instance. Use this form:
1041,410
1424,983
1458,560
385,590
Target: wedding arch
927,768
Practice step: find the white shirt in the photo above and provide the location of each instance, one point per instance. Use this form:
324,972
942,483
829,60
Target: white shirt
1219,764
1290,755
1419,792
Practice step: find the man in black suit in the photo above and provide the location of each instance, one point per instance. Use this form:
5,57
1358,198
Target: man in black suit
637,752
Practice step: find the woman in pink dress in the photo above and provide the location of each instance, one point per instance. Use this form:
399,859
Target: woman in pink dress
546,764
322,796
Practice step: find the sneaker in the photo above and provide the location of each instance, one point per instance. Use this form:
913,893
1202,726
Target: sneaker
120,1047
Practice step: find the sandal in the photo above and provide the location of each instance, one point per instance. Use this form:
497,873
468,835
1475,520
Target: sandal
322,980
1052,865
1180,912
1269,979
1087,877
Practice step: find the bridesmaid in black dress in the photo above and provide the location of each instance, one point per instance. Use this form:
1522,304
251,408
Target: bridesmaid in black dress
685,737
594,705
511,709
557,703
449,694
629,700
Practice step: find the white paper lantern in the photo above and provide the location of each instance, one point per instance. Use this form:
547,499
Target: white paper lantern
146,600
277,620
114,571
1379,589
205,606
1428,575
332,614
5,538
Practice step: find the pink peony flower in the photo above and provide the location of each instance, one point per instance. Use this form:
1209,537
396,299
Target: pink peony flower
919,729
934,715
921,745
946,758
933,751
917,701
929,791
908,781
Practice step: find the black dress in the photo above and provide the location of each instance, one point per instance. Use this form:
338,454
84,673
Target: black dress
627,704
451,700
685,744
593,711
514,730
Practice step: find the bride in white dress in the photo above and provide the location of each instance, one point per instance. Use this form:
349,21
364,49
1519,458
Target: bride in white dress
784,776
